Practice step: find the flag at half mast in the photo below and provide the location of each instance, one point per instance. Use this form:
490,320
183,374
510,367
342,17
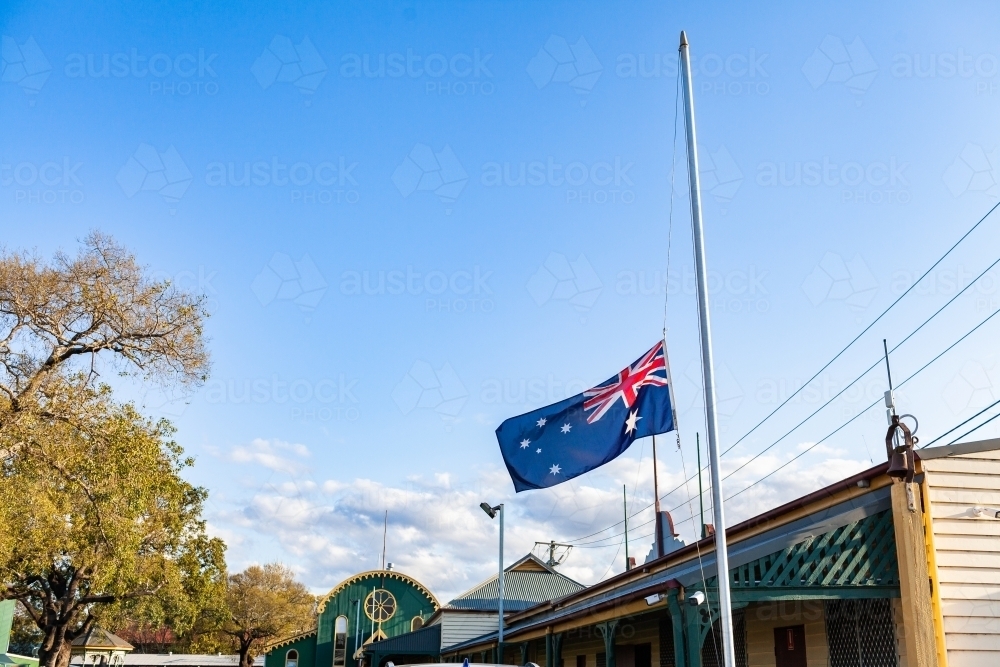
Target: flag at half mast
556,443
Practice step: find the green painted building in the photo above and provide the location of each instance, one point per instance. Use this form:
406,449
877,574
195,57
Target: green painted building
367,607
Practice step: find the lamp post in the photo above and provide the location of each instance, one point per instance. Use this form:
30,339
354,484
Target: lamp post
492,513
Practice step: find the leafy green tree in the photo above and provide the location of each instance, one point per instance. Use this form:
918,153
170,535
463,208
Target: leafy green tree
58,319
265,603
98,524
96,521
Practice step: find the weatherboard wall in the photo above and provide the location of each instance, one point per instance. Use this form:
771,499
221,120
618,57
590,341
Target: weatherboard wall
457,627
967,550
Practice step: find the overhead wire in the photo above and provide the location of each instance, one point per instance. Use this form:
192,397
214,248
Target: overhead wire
824,405
836,356
955,428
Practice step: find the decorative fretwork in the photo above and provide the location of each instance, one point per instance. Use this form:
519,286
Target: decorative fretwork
862,553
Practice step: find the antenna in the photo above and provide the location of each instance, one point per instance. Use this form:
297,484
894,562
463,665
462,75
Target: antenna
385,528
558,552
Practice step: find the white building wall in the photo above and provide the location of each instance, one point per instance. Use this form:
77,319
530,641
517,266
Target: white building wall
457,627
967,550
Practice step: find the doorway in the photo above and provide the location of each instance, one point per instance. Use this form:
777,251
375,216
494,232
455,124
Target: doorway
790,646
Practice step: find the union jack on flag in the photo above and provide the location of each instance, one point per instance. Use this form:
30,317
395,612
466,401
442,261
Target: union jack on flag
564,440
651,369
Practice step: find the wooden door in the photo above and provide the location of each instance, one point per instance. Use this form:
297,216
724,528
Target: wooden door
790,646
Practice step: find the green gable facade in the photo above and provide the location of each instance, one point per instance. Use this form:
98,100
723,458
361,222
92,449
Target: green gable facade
366,607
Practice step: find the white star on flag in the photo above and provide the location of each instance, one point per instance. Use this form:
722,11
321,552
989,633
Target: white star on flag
632,420
525,443
541,422
555,470
565,428
538,451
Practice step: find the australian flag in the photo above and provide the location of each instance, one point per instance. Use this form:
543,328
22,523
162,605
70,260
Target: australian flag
564,440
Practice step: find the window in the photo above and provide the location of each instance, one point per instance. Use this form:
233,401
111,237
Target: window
340,641
292,658
380,605
416,623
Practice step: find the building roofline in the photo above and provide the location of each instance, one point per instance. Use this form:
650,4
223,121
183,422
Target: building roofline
959,449
708,544
288,640
390,574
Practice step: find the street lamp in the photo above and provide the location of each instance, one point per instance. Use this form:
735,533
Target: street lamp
492,513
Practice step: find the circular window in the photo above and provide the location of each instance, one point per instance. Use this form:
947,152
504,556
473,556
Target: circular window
380,605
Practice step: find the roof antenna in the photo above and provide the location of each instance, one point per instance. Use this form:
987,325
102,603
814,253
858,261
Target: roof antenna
385,528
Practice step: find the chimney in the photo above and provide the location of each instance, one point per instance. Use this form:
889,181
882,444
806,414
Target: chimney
388,567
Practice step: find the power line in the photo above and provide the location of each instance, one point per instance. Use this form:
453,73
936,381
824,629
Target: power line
955,428
866,372
867,328
832,360
815,412
816,444
974,428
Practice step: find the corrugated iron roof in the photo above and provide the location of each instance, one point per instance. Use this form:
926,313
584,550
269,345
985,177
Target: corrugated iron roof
522,588
425,641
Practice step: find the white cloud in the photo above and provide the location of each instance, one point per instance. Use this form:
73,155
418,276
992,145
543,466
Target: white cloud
269,454
328,530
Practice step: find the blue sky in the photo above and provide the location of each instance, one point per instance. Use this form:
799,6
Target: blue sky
343,183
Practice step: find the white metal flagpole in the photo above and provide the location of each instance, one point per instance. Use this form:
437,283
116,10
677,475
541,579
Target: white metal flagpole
721,555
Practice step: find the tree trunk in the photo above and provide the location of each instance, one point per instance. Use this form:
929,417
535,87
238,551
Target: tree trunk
55,648
246,659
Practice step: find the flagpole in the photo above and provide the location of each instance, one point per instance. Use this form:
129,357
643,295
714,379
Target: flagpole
708,371
658,530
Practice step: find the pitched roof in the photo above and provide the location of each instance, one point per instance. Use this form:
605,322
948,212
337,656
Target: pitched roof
526,583
425,641
99,638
